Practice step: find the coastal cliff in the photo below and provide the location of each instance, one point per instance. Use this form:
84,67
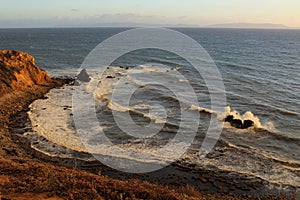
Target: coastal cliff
18,71
23,175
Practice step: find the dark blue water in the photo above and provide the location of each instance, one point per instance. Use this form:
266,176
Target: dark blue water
260,70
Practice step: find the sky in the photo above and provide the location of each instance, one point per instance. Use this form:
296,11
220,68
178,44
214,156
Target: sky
55,13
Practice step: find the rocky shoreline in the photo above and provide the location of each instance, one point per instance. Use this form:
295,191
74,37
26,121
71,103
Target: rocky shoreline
26,173
211,181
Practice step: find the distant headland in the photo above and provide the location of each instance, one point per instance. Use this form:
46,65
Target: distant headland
250,26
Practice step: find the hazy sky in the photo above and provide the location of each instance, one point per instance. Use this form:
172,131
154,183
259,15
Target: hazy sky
46,13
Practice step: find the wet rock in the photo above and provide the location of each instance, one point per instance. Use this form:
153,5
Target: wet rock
237,123
229,118
76,83
83,76
248,123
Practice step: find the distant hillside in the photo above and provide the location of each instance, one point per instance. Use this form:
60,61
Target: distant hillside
250,25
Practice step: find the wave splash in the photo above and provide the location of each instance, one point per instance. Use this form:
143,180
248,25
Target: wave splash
248,119
110,77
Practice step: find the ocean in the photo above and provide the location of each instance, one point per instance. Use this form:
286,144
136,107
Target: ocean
260,71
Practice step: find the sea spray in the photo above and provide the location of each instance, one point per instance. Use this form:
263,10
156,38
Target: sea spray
246,116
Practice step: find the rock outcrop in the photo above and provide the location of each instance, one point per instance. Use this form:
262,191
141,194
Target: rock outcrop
83,76
238,123
18,72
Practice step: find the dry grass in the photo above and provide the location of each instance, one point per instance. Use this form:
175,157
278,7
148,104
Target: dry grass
37,178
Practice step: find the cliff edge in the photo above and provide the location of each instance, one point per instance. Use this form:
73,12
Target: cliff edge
18,71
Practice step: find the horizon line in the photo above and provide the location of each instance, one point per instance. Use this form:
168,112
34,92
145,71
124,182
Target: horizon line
186,26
